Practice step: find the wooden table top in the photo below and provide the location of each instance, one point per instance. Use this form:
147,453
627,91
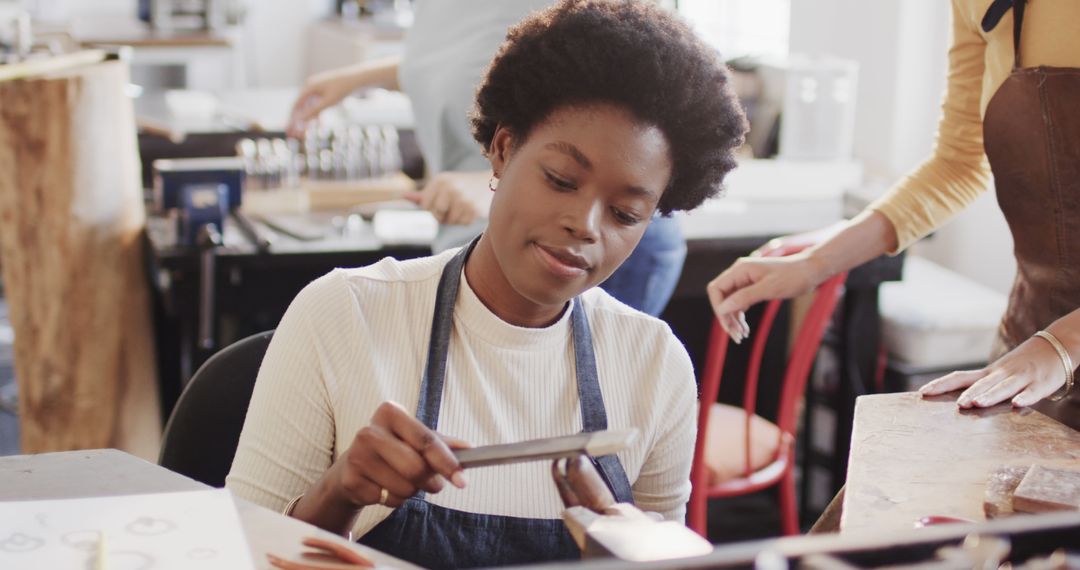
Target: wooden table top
108,472
111,30
913,457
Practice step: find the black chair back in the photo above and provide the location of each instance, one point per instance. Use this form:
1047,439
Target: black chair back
204,428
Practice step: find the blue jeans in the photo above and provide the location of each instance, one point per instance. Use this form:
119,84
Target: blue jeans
647,278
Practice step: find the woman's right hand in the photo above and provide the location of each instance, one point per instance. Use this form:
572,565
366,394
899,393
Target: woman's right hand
398,453
790,266
763,276
322,90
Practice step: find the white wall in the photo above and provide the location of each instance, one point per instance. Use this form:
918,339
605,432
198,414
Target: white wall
901,46
277,39
273,42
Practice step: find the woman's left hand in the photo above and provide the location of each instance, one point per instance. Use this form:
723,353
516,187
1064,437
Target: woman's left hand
1027,374
457,198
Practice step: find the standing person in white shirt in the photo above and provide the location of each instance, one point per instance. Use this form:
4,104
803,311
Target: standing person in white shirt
447,50
594,115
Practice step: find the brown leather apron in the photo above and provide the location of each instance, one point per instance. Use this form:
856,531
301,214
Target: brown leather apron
1032,138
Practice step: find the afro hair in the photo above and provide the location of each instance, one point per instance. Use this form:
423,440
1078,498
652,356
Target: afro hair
629,53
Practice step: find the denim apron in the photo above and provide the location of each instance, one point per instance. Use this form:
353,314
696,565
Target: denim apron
439,537
1031,132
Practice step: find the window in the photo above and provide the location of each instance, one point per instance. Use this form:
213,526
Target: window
740,27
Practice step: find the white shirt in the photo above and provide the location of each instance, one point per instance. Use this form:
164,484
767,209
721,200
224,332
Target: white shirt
357,337
447,50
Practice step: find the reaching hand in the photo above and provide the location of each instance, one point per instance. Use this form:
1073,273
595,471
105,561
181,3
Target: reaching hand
763,276
397,453
456,197
321,91
1027,374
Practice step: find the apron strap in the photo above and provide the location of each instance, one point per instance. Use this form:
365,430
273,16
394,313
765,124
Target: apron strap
996,11
593,411
1018,24
431,386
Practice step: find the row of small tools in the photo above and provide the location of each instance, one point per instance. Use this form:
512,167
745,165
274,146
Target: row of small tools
341,154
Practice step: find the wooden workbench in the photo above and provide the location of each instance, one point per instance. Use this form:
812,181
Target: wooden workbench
912,457
108,472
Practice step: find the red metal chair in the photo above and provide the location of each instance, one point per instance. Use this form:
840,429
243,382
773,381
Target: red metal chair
766,450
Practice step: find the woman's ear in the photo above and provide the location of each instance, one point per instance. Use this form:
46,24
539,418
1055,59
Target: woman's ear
502,146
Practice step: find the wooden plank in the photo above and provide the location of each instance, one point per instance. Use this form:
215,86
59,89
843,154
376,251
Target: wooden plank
36,67
71,219
1044,490
330,195
913,457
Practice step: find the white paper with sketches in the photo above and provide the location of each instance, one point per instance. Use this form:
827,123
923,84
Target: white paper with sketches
194,529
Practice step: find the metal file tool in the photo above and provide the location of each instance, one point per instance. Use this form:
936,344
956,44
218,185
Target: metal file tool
590,443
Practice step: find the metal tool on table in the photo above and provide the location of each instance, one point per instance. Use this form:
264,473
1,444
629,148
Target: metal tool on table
600,526
588,443
342,154
199,194
191,15
327,169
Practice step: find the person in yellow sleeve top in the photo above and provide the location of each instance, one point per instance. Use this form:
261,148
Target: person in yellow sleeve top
1012,109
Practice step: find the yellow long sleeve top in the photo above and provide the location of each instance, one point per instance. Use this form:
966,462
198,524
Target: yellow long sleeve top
957,172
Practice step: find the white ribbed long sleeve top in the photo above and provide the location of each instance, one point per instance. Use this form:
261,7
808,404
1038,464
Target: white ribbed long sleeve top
357,337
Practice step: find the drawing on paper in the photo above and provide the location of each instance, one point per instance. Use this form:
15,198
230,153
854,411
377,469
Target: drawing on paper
19,542
149,526
162,531
82,539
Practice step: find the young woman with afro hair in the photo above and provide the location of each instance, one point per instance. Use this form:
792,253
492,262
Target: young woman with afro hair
594,114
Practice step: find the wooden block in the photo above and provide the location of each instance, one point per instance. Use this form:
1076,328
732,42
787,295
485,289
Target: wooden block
1000,485
627,533
332,195
1044,490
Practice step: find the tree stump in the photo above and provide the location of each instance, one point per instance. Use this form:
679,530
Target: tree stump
71,219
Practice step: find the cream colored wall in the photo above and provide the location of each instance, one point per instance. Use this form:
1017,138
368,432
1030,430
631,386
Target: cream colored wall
901,46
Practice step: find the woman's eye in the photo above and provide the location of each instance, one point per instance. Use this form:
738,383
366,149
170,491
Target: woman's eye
625,218
558,182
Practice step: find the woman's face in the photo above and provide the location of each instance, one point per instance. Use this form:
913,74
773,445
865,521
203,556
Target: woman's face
574,199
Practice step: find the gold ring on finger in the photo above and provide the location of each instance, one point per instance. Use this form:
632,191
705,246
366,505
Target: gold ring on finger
383,495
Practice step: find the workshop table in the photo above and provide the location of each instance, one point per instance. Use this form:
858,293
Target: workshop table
914,457
108,472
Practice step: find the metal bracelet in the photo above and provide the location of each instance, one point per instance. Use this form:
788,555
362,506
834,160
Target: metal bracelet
1066,363
292,505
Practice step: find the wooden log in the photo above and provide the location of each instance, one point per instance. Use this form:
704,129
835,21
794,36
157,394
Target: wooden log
71,217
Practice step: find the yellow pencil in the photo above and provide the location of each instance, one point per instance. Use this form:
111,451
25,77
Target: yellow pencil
99,562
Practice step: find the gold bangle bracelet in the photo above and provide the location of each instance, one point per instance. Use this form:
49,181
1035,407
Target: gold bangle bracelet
292,505
1066,362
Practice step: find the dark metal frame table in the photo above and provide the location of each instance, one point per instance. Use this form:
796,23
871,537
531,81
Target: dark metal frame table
253,289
